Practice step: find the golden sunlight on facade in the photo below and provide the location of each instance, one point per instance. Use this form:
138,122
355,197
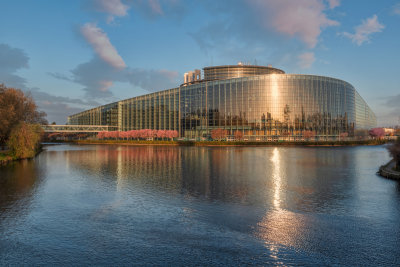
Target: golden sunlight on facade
262,103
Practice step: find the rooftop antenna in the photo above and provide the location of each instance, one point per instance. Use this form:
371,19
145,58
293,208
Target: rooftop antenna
255,62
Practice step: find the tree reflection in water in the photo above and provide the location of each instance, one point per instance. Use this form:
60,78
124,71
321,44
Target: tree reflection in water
18,182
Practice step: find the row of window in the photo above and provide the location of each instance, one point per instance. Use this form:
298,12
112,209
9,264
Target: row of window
265,104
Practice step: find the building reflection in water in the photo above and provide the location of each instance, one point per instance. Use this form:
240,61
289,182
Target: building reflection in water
287,179
126,166
211,173
283,184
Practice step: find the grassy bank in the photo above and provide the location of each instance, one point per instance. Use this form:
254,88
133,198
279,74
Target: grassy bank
234,143
7,156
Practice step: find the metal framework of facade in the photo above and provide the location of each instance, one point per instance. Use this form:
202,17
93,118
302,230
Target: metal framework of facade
77,128
257,102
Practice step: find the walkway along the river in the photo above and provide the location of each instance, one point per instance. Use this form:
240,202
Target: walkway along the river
388,171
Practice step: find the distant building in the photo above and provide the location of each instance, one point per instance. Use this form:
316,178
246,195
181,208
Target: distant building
258,101
192,76
389,131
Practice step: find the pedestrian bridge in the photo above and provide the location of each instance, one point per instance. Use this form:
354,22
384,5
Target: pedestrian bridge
78,128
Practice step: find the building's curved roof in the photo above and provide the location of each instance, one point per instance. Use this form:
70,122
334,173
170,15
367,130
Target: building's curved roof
237,71
242,66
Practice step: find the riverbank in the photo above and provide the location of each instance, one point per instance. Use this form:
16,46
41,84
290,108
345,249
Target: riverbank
388,171
232,143
6,156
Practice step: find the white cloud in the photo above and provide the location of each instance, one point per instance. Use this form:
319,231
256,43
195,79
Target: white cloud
98,78
59,107
105,85
333,3
396,9
156,7
302,18
11,60
152,80
364,30
102,45
306,60
114,8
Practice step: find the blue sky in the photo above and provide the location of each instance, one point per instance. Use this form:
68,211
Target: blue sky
77,54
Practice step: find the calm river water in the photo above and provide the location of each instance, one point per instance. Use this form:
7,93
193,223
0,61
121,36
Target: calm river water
160,205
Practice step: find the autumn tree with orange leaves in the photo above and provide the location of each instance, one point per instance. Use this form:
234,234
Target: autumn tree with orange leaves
219,134
18,111
239,135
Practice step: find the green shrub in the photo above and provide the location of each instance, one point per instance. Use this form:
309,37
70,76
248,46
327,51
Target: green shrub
24,140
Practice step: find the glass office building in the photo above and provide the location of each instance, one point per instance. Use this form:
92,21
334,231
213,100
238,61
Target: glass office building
261,102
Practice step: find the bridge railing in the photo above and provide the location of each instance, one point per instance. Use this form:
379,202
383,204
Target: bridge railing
78,128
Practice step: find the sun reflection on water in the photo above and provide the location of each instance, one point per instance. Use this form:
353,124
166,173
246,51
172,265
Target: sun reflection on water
276,176
279,227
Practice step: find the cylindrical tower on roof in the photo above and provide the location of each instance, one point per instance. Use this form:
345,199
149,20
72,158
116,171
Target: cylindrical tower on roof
237,71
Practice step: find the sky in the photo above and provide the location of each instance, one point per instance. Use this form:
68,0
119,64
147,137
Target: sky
77,54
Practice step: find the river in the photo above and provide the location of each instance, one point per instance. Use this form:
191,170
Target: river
170,205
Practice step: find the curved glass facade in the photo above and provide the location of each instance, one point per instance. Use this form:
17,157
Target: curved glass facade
273,105
260,106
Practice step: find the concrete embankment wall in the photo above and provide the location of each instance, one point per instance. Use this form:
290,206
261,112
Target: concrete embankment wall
388,172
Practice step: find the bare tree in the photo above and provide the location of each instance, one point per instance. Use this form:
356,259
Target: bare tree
394,150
